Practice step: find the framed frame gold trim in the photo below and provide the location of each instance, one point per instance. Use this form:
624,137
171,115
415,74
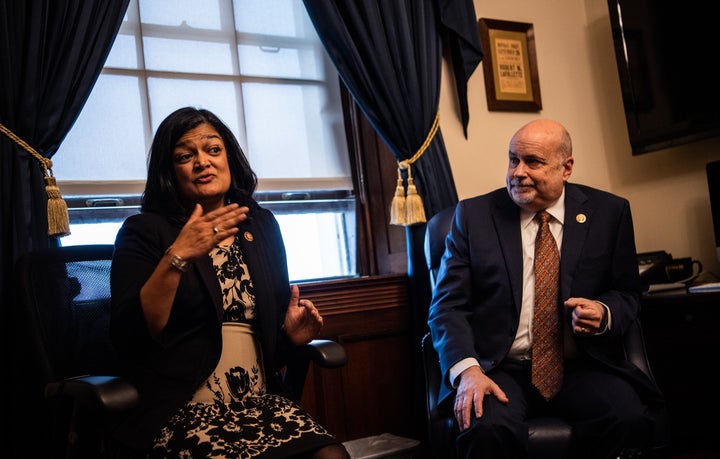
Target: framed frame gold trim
510,66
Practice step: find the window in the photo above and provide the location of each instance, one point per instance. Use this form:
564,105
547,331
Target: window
262,69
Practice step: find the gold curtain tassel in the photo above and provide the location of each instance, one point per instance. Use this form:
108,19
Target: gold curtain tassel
414,207
409,209
397,207
58,217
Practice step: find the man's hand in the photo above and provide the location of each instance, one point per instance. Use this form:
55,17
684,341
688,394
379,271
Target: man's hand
471,391
587,315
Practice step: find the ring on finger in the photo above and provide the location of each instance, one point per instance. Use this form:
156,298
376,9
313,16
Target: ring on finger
215,229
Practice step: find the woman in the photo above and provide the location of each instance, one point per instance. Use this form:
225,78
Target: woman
202,310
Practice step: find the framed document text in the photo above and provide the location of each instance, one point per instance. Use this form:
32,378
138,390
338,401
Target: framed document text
510,66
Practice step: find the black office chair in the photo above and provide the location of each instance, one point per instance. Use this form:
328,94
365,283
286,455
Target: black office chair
65,368
549,437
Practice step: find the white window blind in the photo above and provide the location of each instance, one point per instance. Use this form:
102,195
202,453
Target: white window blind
257,64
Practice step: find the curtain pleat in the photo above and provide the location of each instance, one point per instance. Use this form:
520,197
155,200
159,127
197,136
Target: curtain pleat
51,54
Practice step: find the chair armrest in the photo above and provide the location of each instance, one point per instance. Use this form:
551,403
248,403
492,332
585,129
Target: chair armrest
326,353
112,394
635,349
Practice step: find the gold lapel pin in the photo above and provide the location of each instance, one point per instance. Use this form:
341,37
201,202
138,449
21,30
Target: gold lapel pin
580,218
248,236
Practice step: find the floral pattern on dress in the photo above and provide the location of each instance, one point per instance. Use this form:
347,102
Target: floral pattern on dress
235,283
240,429
239,419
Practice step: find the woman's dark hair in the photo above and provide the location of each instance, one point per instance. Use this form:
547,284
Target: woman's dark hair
161,193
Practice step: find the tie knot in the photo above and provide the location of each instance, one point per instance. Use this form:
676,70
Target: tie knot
543,216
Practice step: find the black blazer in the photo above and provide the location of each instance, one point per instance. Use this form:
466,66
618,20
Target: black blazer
168,369
475,309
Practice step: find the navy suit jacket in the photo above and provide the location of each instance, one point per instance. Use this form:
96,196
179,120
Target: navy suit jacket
475,309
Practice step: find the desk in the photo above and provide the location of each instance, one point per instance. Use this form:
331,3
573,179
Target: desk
681,333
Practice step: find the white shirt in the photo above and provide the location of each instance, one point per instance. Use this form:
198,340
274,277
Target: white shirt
520,349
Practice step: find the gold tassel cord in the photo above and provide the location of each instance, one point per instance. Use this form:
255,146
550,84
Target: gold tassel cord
408,209
58,217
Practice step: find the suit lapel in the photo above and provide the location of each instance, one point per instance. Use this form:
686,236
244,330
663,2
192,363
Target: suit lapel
254,248
209,278
578,218
507,225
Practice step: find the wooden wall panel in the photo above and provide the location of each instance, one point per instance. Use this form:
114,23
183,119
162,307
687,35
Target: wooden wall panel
372,393
378,398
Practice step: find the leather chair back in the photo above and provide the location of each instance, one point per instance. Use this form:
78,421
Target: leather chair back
61,319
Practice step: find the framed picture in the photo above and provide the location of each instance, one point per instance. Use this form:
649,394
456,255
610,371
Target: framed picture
510,66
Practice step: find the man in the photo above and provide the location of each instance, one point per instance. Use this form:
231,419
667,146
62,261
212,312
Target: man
481,315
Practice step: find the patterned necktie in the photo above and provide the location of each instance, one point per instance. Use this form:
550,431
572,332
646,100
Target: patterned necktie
547,349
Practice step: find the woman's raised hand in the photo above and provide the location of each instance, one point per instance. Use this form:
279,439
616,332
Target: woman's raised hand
202,231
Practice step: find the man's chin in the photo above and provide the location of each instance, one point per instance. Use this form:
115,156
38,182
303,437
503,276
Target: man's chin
521,197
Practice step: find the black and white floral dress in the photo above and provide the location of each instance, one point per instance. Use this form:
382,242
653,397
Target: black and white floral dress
231,415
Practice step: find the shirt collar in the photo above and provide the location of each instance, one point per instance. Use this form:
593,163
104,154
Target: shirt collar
556,209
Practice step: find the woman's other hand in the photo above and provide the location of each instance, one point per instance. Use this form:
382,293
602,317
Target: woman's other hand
303,321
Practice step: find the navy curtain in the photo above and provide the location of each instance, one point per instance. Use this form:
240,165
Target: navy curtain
388,54
51,53
463,41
